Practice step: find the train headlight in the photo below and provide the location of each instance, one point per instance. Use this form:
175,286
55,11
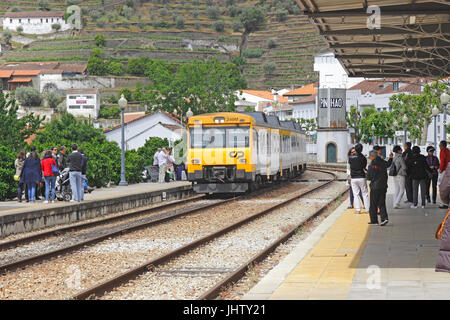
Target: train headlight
196,161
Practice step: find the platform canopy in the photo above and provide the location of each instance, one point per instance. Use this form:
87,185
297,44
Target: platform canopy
413,38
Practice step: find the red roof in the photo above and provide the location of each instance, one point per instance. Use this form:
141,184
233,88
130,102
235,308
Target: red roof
26,72
307,90
28,65
385,86
34,14
20,80
6,74
265,95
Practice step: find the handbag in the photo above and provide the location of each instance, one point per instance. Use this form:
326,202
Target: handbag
55,170
438,234
393,170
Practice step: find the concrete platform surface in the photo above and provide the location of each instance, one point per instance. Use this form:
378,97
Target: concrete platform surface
97,194
345,258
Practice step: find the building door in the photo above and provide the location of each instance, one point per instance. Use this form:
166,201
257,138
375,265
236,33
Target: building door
331,153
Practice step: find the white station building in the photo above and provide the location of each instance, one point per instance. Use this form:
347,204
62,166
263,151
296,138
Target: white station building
83,102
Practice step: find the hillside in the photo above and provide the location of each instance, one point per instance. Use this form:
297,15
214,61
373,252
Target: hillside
179,31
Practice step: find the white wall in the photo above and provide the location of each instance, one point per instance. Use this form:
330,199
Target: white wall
304,110
34,25
340,138
138,131
82,101
331,72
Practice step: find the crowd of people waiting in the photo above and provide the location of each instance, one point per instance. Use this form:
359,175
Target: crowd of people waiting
410,171
34,171
164,160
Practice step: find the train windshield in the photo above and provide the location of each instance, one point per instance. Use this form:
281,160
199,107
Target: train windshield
219,137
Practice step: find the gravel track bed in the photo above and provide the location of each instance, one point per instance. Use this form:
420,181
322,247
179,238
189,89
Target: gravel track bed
71,238
189,276
62,277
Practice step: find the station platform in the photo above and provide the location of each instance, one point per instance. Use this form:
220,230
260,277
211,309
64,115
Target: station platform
18,217
345,258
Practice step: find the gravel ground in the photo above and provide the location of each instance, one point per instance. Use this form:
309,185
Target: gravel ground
59,278
188,276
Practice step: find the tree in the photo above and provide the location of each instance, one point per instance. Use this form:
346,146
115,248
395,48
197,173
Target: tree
7,35
281,15
28,96
97,66
252,18
269,68
147,151
53,99
203,86
116,68
43,5
56,27
137,66
19,29
218,25
100,40
271,43
179,22
353,119
213,12
309,125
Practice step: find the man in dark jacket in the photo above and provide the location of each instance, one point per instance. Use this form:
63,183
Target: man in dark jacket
75,161
408,181
377,175
380,155
61,158
358,181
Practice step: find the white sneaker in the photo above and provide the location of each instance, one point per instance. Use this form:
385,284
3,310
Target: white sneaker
423,207
72,200
53,201
46,201
413,207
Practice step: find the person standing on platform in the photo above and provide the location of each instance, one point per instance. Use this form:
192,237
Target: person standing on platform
162,160
351,152
83,173
358,165
433,163
18,164
444,158
155,157
418,170
377,174
399,179
379,150
31,174
75,168
49,176
408,180
61,158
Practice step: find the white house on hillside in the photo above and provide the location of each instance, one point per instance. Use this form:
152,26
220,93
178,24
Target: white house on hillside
35,22
83,102
139,129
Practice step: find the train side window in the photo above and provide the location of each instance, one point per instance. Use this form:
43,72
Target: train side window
255,141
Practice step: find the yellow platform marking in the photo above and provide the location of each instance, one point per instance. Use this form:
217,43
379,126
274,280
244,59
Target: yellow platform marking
327,270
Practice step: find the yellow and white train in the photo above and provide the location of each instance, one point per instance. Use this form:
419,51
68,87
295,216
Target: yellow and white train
231,152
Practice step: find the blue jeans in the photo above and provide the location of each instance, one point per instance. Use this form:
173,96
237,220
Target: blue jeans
31,191
50,182
76,184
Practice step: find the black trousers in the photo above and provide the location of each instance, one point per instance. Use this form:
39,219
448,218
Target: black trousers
409,188
378,200
433,182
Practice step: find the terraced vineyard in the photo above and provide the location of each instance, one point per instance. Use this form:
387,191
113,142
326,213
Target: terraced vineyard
178,31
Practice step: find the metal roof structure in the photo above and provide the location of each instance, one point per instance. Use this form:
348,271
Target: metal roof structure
385,38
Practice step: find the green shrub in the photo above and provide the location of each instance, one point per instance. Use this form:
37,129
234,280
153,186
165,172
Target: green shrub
101,22
213,12
100,40
234,11
281,15
195,13
163,12
8,187
116,68
56,27
236,26
147,151
219,26
269,68
179,22
28,96
53,99
197,25
137,66
96,66
271,43
15,9
126,93
127,12
134,165
110,112
252,53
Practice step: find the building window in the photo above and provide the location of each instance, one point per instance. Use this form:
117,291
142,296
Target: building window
29,20
46,20
74,107
52,19
395,86
10,20
42,20
88,106
20,20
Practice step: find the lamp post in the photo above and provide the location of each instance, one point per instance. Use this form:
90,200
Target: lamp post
122,104
445,98
373,132
395,135
435,112
405,122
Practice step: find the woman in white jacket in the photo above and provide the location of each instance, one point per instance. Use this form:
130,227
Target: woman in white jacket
399,179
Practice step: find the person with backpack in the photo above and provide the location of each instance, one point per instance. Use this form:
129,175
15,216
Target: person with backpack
358,164
419,171
398,172
433,163
50,169
31,174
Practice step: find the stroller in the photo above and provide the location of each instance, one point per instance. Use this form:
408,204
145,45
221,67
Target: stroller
62,186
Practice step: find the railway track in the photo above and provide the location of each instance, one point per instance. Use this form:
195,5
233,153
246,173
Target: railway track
107,286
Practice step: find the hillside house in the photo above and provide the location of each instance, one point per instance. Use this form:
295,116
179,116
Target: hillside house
259,100
83,102
140,128
35,22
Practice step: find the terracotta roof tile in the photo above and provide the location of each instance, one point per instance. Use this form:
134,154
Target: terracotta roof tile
34,14
6,73
385,86
265,95
26,72
303,91
28,65
20,80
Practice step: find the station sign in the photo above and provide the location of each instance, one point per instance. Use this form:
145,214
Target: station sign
331,108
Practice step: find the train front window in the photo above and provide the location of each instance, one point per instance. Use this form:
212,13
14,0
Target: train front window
219,137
